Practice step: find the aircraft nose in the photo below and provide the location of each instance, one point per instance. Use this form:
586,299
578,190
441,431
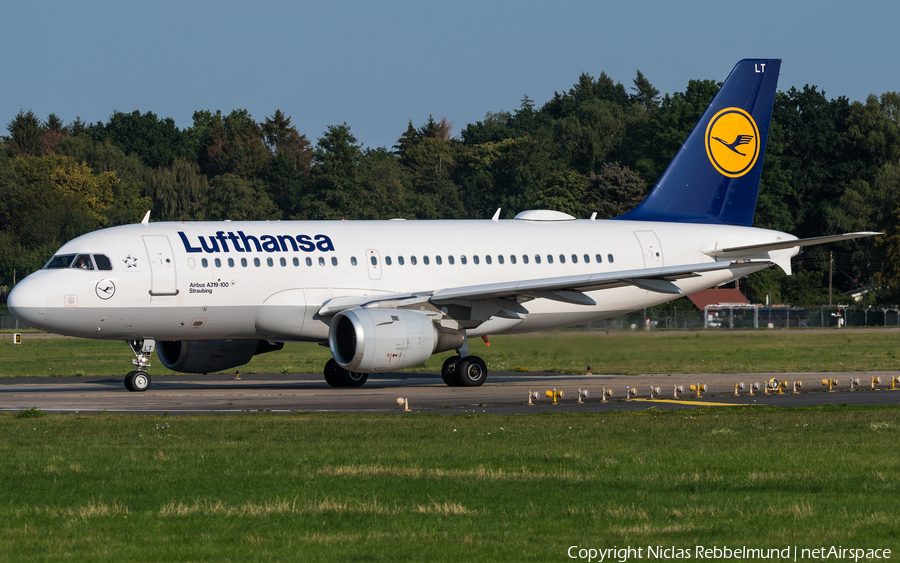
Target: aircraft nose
28,302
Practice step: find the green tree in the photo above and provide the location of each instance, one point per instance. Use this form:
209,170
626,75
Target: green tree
238,199
26,135
613,191
180,192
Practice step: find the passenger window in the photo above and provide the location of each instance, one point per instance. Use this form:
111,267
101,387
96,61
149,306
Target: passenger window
500,258
425,260
512,258
475,259
309,261
574,258
57,262
283,262
204,262
562,258
256,262
334,260
244,262
400,260
103,263
218,263
231,262
412,260
451,260
599,259
462,259
610,258
387,260
549,258
524,258
83,262
296,261
438,259
321,261
587,259
537,258
270,262
487,258
373,260
353,260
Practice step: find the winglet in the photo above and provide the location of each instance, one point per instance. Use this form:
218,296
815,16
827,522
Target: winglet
146,219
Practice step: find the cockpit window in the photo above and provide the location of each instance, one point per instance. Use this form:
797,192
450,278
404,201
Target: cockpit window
83,262
60,261
103,263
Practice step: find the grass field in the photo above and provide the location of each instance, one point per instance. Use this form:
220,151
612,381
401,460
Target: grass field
444,488
560,351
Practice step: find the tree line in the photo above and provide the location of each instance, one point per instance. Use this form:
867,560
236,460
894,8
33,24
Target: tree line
831,166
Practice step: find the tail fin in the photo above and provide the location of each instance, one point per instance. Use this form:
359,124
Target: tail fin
714,178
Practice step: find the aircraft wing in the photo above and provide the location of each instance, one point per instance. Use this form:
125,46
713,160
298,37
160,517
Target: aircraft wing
567,289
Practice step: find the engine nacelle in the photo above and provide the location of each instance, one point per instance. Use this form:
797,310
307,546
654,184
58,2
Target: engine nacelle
206,356
375,340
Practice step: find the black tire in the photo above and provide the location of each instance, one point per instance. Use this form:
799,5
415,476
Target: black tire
129,380
331,373
140,382
471,371
448,371
353,378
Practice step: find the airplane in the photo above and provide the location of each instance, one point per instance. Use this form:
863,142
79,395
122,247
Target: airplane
386,295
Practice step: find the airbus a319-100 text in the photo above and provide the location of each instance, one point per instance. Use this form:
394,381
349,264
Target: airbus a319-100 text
386,295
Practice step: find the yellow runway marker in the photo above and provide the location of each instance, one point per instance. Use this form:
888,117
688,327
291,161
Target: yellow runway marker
680,402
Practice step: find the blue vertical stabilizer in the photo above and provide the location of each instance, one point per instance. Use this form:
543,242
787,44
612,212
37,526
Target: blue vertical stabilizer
714,178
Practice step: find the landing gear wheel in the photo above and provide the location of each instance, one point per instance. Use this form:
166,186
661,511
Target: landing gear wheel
331,373
471,371
140,381
354,378
336,376
448,371
129,380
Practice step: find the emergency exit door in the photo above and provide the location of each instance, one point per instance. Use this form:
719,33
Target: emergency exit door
162,265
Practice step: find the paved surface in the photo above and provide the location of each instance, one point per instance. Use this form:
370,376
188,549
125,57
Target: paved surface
504,393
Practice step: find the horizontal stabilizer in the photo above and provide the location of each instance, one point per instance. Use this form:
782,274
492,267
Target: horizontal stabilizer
782,244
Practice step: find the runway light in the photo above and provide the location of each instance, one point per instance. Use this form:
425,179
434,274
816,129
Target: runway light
698,388
678,389
830,383
876,381
771,385
606,393
531,396
894,381
582,395
854,383
655,391
237,375
797,385
738,386
555,395
630,392
403,403
17,339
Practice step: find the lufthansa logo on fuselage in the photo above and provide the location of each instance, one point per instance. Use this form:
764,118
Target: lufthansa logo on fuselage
105,289
240,242
732,142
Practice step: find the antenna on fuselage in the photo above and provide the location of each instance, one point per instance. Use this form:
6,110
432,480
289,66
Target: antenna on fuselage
146,219
496,216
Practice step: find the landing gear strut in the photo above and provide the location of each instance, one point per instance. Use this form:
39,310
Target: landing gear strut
336,376
140,380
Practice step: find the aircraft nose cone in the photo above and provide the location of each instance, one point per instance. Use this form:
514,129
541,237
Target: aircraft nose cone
28,302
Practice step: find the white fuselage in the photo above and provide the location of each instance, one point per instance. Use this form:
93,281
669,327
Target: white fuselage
209,280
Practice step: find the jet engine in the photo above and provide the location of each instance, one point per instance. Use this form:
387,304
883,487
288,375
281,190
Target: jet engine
206,356
377,340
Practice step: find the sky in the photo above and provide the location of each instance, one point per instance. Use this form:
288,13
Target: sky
378,65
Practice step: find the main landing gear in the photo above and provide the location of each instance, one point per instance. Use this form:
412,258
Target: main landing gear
139,380
470,371
336,376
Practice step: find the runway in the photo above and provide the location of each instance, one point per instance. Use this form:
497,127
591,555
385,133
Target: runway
503,393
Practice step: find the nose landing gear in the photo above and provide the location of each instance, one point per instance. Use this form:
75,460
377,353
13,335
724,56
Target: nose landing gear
140,380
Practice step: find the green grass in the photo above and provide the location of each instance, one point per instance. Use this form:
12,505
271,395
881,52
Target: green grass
305,487
561,351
